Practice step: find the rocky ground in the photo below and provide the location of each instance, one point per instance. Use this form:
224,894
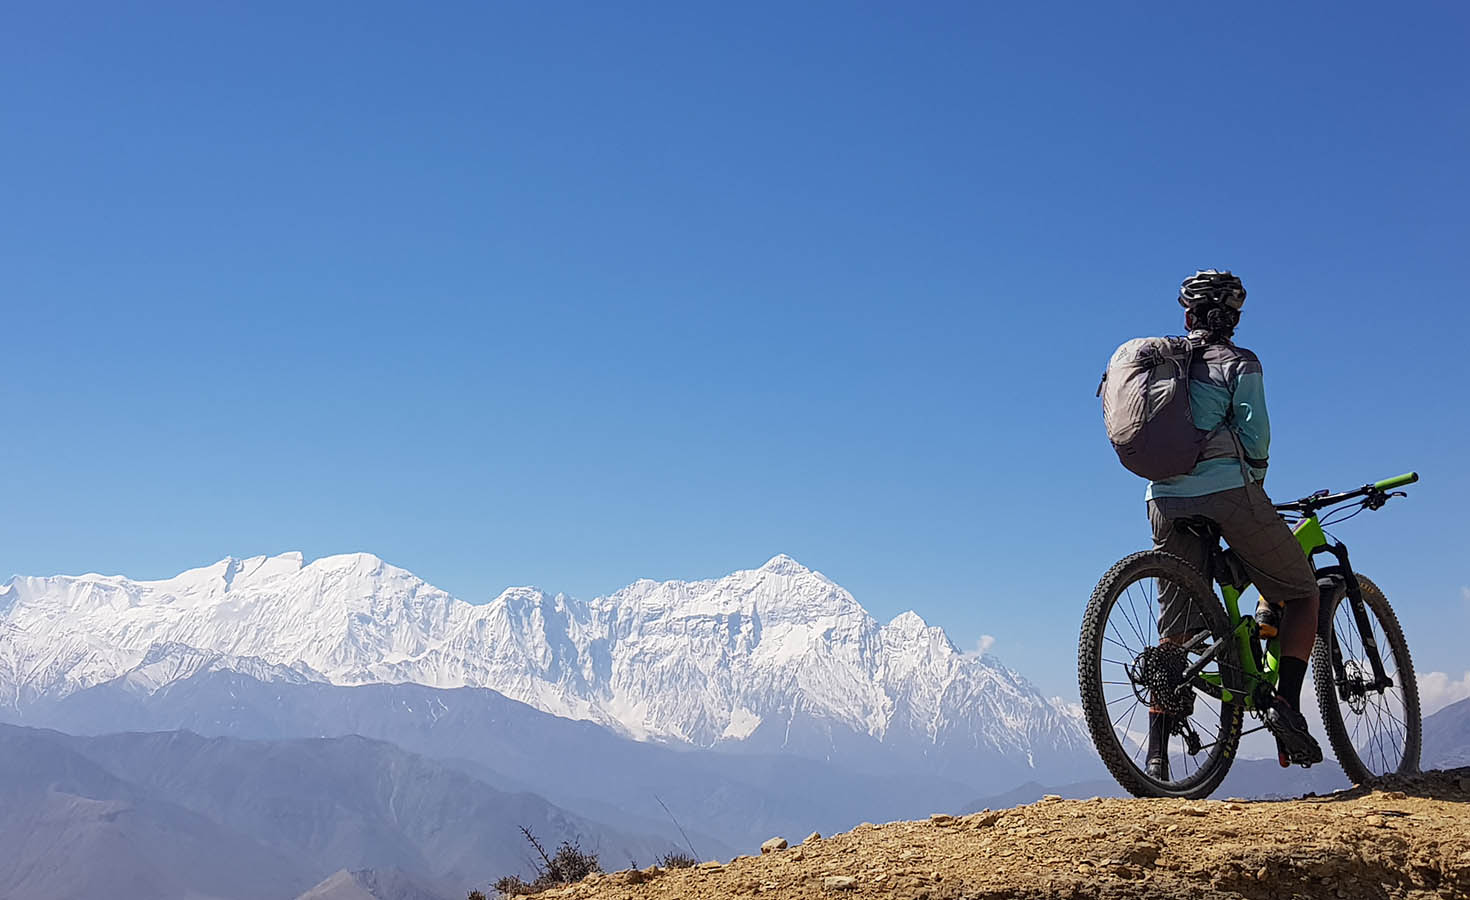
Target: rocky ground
1403,838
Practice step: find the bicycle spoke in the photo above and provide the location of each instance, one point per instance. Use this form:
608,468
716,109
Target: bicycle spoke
1127,614
1154,611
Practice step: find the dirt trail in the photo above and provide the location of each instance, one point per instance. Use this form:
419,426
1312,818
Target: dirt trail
1405,838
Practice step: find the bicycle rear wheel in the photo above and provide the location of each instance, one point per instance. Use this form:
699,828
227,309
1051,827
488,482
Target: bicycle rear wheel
1129,662
1374,728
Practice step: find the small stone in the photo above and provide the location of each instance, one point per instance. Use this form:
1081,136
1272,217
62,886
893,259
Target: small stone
1261,873
1084,869
1396,795
774,844
1193,811
712,864
1359,813
812,838
1051,798
839,882
987,819
1373,821
1142,854
941,819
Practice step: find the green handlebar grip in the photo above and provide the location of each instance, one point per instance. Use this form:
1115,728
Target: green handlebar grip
1389,484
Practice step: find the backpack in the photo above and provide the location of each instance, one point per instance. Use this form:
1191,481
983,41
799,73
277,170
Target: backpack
1145,401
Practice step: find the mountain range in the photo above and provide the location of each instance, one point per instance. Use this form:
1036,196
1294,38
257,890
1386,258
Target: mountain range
265,727
175,814
777,659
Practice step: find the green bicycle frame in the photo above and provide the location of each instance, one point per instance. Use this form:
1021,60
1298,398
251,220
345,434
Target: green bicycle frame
1264,670
1310,536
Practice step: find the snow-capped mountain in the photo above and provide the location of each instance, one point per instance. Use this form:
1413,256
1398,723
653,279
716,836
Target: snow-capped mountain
778,658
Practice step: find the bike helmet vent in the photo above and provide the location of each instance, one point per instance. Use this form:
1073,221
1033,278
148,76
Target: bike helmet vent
1209,287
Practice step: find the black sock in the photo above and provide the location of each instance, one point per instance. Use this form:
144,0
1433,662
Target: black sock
1293,673
1159,727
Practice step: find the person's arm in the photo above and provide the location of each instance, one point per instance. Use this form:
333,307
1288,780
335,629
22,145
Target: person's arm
1252,424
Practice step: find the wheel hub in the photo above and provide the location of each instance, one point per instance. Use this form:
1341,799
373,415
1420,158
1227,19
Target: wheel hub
1355,685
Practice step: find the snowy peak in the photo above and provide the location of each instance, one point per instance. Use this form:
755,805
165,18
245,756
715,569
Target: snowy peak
781,564
908,623
767,655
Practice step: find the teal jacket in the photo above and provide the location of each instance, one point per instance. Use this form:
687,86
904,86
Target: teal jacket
1223,379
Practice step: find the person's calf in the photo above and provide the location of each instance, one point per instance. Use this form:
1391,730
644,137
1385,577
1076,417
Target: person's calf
1293,672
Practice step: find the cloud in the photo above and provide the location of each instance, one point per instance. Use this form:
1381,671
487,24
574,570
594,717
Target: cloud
1437,690
983,645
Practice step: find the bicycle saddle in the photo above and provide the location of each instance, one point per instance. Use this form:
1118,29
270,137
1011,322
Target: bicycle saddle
1199,526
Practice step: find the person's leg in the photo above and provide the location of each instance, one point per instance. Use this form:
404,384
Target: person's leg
1177,617
1281,572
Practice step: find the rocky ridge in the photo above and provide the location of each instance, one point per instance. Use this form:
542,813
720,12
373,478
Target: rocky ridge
1406,838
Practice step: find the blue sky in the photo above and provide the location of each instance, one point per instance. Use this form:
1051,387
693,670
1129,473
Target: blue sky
570,295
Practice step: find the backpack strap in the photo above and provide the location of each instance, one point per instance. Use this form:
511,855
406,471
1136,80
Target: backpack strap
1228,425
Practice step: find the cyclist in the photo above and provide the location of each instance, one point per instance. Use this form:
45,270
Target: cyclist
1226,393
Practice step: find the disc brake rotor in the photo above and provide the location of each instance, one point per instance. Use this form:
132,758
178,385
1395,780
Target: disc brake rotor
1356,682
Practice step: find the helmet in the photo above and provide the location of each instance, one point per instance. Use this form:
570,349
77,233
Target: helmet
1209,287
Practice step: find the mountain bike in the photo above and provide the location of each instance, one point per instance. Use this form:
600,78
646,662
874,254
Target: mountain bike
1207,681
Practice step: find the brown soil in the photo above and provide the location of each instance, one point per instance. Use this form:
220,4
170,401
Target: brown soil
1405,838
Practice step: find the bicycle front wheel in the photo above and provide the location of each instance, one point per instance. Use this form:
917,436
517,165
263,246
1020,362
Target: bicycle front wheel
1373,725
1151,621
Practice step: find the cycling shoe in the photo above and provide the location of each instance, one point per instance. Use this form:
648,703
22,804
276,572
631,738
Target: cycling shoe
1294,743
1157,768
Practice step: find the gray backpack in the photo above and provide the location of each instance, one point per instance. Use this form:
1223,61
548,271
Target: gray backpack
1145,400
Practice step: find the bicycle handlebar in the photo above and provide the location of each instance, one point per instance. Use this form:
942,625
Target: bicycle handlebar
1378,491
1389,484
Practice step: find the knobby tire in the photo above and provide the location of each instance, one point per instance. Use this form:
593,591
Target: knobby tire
1338,728
1128,571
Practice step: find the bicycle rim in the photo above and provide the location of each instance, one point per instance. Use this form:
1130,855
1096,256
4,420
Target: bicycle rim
1374,731
1124,623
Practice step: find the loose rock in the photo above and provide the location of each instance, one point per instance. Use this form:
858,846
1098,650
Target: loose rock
1116,849
774,844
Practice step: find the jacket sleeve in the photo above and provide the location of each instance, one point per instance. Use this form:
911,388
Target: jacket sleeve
1252,423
